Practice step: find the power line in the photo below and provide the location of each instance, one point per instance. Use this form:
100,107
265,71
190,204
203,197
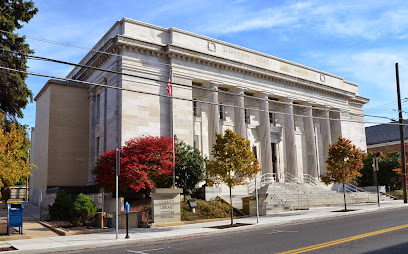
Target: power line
113,54
180,98
177,84
79,47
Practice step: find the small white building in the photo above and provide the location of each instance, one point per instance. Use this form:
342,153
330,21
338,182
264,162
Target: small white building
289,112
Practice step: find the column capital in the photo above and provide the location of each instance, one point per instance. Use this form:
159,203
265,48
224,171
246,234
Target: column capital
238,91
288,99
262,95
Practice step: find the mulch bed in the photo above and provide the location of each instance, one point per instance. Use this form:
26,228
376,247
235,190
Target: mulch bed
230,226
343,211
7,249
67,225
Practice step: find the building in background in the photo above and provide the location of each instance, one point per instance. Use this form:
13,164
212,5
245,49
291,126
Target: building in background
384,137
289,112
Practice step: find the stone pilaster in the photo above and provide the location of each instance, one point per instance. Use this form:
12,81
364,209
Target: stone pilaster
326,137
291,158
92,139
214,117
310,142
265,135
239,113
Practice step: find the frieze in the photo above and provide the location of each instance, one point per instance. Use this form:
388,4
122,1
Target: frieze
218,62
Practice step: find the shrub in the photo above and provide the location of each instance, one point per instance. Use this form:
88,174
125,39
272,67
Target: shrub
62,207
84,211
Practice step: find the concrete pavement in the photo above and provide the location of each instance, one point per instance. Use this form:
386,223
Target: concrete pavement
140,235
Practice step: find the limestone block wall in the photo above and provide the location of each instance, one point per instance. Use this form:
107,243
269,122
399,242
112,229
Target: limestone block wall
68,134
60,138
39,146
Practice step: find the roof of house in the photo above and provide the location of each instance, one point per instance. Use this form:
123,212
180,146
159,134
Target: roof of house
382,133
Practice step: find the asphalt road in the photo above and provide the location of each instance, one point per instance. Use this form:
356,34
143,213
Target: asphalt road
381,232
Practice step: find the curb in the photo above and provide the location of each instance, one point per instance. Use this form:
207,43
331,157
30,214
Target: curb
65,232
121,242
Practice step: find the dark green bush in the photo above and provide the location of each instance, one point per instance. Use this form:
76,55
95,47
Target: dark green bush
84,211
62,206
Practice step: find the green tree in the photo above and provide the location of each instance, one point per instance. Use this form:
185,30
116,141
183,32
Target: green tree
13,155
344,163
189,167
389,160
14,93
62,207
233,161
84,210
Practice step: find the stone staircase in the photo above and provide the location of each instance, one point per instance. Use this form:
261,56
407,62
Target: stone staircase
290,196
304,194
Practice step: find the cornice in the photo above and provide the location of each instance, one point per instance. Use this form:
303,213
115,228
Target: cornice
123,43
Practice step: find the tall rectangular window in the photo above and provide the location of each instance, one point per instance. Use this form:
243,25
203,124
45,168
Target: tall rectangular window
247,116
271,119
222,113
254,151
98,107
195,108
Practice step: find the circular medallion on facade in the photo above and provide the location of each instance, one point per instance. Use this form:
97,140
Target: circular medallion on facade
322,77
211,46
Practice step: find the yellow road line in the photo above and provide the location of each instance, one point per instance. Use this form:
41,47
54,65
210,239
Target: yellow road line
343,240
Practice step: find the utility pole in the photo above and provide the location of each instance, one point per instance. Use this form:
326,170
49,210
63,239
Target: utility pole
402,137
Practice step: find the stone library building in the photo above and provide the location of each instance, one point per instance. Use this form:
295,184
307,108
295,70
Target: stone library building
289,112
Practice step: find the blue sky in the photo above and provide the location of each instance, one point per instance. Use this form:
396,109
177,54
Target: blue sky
358,40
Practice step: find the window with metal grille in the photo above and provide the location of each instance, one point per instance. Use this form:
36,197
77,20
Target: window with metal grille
222,112
247,116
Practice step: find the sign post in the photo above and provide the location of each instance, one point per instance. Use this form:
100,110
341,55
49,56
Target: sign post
375,168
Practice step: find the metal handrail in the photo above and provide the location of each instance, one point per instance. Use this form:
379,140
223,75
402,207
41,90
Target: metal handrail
310,180
289,195
288,177
353,188
262,181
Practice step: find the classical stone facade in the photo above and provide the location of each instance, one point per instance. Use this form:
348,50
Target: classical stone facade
289,112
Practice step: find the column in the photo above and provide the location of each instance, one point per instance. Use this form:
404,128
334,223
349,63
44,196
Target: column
265,136
310,142
291,158
92,140
239,114
214,117
326,137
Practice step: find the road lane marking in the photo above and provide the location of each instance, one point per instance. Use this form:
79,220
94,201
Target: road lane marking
281,231
343,240
144,251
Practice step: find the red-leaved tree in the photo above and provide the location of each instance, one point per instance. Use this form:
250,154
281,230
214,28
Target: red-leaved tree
144,162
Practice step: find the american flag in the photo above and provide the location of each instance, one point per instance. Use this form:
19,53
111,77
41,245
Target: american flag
169,87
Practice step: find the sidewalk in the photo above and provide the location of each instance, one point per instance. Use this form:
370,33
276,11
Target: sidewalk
54,243
31,228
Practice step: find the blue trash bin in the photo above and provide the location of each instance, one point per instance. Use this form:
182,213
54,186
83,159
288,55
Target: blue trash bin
15,217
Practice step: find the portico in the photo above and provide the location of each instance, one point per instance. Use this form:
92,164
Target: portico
289,112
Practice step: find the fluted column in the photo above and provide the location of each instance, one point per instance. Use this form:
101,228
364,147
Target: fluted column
310,142
214,117
239,114
291,160
326,137
265,136
92,139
